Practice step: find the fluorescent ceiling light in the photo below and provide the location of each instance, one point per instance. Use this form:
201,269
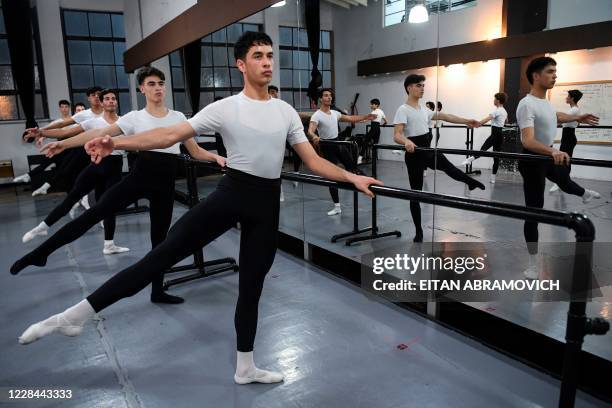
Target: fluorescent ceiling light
279,4
418,14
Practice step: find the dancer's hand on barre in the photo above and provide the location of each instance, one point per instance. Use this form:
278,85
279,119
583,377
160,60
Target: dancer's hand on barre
220,160
409,146
589,119
52,149
363,182
473,123
560,158
99,148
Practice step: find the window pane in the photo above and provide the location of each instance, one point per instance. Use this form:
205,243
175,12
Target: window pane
118,27
325,40
6,78
79,97
206,78
233,32
175,59
285,59
220,56
394,7
301,60
222,78
206,98
100,25
230,57
287,97
250,27
39,110
303,38
327,83
300,79
140,100
78,52
207,39
219,36
102,52
286,80
81,76
394,19
76,23
236,77
326,57
125,104
104,76
207,57
5,57
8,107
177,78
119,50
300,100
223,94
123,81
284,36
179,101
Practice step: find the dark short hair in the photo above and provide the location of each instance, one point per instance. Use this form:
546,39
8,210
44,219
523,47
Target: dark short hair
439,105
272,88
575,94
92,90
145,72
430,105
247,40
412,79
330,90
502,97
107,91
63,102
79,104
375,101
536,65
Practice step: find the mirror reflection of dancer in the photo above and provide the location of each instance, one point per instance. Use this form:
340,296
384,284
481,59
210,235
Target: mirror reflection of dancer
498,118
248,193
537,121
412,130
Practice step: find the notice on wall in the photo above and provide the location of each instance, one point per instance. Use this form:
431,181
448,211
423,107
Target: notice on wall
596,99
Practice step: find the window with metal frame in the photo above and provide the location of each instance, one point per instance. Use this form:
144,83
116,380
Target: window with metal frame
94,42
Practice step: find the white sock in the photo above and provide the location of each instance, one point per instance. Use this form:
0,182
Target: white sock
45,186
247,372
69,323
108,243
337,205
42,226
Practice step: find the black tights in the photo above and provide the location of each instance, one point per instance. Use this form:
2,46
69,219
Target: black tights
71,166
94,177
152,178
204,223
534,175
418,161
495,140
568,141
338,153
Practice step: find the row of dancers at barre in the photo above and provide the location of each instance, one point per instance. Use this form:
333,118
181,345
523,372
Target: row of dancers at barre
255,128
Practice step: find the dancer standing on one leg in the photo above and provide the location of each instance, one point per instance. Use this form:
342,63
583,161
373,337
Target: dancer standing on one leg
93,177
325,123
411,130
152,177
568,134
537,121
498,119
255,128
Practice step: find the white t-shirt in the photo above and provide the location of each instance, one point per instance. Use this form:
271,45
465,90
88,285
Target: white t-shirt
87,114
98,123
253,132
327,123
380,115
498,116
416,121
573,111
141,121
539,114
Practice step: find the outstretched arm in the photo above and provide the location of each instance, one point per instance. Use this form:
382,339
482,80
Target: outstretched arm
63,133
323,168
447,117
356,118
587,118
81,139
485,120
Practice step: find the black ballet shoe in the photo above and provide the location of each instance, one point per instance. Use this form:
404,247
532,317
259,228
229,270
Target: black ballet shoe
418,237
166,298
27,261
476,184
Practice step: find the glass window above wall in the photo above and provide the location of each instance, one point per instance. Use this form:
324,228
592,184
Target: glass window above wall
396,11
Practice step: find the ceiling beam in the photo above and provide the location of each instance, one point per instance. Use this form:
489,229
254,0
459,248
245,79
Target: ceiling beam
586,36
196,22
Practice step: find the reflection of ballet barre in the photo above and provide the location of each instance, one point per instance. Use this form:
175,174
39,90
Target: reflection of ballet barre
192,198
578,325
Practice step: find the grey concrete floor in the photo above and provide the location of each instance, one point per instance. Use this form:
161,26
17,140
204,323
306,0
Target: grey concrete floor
336,345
